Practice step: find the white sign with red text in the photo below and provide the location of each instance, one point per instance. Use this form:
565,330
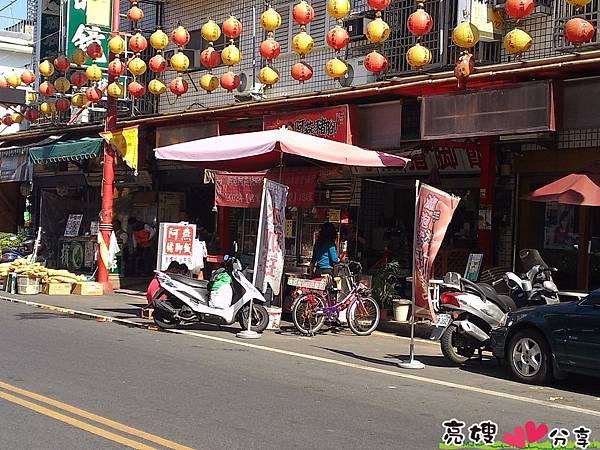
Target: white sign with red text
175,243
270,245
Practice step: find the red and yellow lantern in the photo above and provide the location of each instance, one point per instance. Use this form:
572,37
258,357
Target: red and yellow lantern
180,62
378,31
62,104
47,89
16,117
230,55
78,99
578,31
115,90
136,66
230,81
418,56
337,38
62,85
180,36
303,43
79,78
303,13
270,49
7,120
138,43
27,77
179,86
517,41
518,9
268,76
270,20
116,67
116,45
94,50
79,57
379,4
159,40
336,68
3,82
93,94
31,114
157,64
46,69
13,80
419,22
62,63
232,27
48,108
93,72
376,62
136,89
208,82
210,58
157,87
302,72
338,9
135,14
465,35
210,31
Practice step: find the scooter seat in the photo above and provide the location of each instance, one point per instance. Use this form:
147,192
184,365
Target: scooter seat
189,281
504,302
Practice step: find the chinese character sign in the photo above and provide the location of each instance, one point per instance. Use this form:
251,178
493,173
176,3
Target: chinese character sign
84,26
270,245
175,243
433,212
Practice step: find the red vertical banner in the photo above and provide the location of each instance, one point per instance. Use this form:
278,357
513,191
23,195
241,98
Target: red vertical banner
433,211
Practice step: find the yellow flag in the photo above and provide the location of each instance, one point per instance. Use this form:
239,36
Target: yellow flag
125,141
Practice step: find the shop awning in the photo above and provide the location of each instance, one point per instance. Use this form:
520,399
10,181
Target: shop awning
80,149
14,150
575,189
248,152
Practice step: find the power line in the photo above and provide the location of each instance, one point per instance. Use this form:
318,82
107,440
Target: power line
6,6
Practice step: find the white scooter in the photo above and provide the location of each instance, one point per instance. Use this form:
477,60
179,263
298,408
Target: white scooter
183,300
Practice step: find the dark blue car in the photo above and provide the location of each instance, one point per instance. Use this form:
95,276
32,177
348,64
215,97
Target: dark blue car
548,341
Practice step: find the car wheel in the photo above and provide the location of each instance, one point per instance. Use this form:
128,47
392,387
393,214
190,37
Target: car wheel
529,357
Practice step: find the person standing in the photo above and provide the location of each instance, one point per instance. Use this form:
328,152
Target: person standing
324,252
122,238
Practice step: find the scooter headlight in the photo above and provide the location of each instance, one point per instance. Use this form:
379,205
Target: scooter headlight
503,321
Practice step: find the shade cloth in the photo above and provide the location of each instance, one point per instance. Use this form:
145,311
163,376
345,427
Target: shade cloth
263,149
84,148
575,189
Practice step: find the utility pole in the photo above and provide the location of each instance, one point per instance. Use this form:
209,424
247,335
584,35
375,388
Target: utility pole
108,170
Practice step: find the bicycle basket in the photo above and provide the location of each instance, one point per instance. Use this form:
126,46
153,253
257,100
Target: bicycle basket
318,285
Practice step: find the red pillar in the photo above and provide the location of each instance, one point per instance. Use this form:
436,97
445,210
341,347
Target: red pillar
108,170
487,198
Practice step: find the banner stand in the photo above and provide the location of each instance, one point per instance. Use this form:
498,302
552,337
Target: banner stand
249,333
412,363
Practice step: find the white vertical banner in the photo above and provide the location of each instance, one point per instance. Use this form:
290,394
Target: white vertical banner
270,245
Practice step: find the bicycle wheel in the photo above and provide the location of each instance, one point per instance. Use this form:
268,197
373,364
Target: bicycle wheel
363,316
305,316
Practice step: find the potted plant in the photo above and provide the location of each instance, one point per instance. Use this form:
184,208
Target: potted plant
387,285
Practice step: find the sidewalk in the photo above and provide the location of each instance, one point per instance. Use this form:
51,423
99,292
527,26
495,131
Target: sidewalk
126,306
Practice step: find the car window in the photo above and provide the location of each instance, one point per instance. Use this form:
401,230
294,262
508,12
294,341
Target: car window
592,299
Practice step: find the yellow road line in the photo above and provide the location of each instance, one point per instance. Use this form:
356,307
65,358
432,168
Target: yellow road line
88,415
75,423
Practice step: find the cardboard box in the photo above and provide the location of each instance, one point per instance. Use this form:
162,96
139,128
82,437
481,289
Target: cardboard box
87,288
57,288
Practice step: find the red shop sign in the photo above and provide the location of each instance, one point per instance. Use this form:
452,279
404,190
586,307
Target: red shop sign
330,123
244,190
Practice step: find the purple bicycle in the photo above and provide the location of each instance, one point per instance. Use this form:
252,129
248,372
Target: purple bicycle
315,302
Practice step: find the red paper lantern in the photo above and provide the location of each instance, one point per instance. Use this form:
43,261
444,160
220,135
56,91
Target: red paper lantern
157,64
32,114
27,77
376,62
116,67
419,22
136,89
47,89
138,43
135,14
302,72
62,63
62,104
303,13
230,81
232,27
3,82
337,38
79,78
210,58
517,9
180,36
578,31
178,86
7,120
93,94
379,4
270,49
94,50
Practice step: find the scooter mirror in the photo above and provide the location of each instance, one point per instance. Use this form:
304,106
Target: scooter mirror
225,258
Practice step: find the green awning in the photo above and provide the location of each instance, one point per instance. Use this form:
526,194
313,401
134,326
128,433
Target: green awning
84,148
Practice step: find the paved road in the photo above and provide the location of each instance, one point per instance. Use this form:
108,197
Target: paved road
209,390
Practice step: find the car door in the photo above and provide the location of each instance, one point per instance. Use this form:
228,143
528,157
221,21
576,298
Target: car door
583,333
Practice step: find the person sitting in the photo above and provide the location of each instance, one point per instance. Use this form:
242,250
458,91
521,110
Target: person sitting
324,252
154,286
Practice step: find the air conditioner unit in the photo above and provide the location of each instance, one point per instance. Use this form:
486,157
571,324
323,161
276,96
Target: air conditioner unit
356,27
249,89
193,56
357,73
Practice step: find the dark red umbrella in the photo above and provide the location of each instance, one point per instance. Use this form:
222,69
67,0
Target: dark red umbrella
575,189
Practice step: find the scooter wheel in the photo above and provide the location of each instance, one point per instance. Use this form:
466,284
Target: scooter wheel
163,320
452,349
260,317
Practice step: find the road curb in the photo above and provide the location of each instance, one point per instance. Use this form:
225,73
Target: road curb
85,314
